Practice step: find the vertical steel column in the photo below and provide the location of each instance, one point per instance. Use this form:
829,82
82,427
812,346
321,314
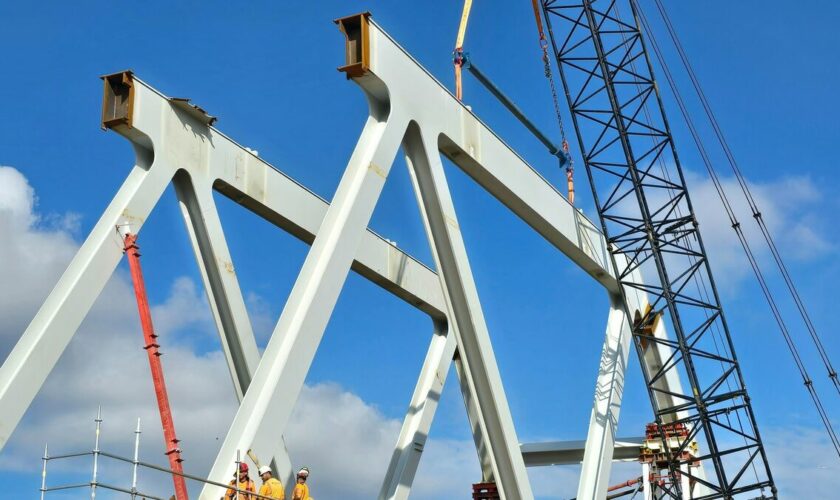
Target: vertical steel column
647,487
94,481
418,418
136,461
173,452
603,423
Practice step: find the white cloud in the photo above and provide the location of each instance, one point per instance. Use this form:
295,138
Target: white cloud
803,461
262,316
793,208
789,207
360,441
33,255
185,306
17,198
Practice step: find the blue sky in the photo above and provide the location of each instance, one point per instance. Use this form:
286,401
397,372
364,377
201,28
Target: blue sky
268,71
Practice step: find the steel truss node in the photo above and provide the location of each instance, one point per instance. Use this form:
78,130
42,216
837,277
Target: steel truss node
176,143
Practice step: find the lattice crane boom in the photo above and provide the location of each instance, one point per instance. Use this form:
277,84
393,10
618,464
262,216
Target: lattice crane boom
646,213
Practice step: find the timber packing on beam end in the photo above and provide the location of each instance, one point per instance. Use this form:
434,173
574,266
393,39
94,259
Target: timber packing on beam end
645,249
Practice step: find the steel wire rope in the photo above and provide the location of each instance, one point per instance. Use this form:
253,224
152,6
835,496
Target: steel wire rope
756,213
564,144
742,239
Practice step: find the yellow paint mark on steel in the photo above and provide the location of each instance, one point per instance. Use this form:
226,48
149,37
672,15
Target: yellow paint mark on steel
377,170
130,220
452,222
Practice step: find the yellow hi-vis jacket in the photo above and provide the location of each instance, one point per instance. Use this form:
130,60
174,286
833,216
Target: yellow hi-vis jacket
273,489
301,492
246,485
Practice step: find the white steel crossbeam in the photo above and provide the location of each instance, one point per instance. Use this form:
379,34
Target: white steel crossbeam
479,363
226,301
163,132
418,420
175,142
491,163
572,452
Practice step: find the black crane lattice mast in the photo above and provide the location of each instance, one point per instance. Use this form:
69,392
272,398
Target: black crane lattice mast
647,217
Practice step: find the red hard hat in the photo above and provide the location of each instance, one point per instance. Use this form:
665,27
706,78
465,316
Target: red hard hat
243,467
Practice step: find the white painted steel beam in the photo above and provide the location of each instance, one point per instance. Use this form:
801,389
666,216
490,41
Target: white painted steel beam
402,96
603,422
224,295
473,338
418,419
220,283
572,452
266,191
180,142
609,388
291,349
39,348
479,434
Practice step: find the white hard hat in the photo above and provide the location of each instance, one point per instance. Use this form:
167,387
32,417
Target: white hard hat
303,472
265,469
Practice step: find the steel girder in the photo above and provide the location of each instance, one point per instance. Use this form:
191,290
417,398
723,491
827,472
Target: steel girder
176,143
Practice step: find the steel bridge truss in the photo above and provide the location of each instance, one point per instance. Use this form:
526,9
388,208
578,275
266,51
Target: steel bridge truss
647,217
175,143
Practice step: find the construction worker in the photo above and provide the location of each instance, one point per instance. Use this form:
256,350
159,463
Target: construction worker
244,485
301,491
271,487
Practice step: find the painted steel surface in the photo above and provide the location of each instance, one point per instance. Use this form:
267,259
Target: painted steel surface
408,108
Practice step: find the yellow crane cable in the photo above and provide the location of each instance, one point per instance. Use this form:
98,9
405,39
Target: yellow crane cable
459,45
462,28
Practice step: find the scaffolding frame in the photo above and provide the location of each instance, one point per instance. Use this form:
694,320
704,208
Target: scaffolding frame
136,465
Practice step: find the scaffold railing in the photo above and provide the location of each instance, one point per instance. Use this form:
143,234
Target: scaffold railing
96,483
